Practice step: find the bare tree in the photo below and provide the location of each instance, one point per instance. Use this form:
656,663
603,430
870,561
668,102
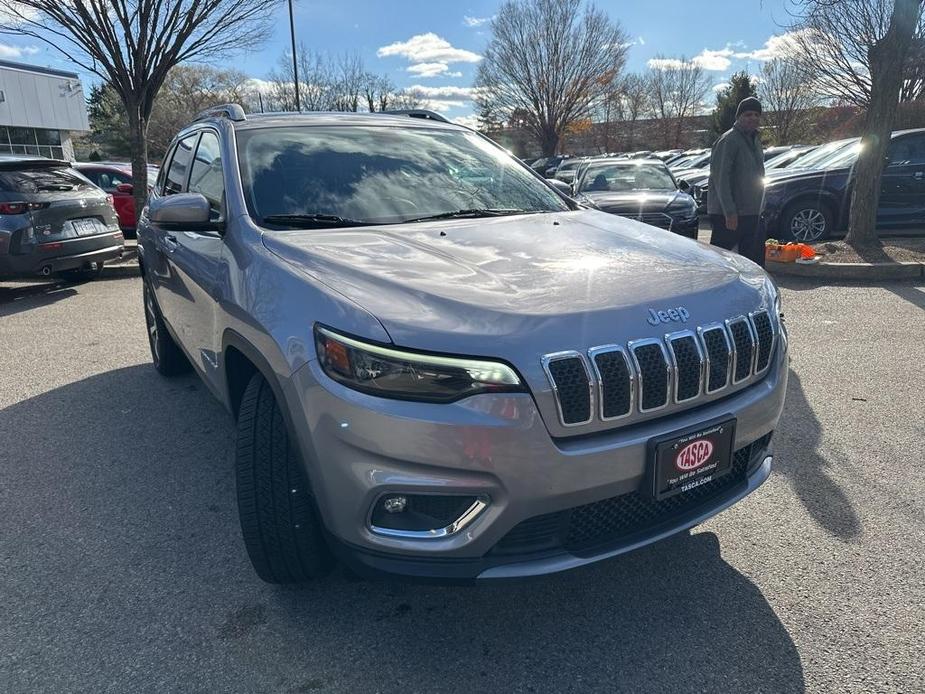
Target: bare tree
787,98
864,52
552,61
378,91
832,42
133,44
188,90
678,89
349,77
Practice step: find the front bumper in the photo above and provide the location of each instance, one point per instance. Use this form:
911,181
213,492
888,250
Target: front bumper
358,447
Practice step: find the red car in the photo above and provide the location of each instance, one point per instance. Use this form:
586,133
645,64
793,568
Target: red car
116,179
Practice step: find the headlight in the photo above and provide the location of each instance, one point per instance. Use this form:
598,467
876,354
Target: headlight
393,373
683,205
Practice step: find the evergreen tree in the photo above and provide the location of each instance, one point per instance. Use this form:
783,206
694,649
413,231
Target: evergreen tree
740,87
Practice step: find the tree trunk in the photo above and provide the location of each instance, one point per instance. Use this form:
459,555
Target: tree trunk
887,58
138,132
549,142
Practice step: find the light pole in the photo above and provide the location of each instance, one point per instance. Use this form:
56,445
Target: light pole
295,65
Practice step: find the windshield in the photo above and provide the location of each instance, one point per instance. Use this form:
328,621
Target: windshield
843,157
784,160
621,179
381,175
43,179
825,151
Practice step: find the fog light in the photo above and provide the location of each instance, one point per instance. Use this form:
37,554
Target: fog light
395,504
423,515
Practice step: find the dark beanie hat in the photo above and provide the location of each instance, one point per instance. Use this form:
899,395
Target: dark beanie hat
748,104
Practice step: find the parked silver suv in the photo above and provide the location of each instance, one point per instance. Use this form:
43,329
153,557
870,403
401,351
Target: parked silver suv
439,366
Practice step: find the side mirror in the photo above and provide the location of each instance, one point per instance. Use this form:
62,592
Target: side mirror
560,186
684,186
125,188
183,211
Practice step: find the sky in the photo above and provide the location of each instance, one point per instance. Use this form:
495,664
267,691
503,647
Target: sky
435,46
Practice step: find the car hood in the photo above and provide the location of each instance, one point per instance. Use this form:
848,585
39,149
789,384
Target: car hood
632,201
543,283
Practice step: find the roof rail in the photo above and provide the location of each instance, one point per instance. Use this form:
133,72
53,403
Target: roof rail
417,113
230,111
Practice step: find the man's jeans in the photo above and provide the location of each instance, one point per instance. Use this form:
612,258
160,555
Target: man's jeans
748,237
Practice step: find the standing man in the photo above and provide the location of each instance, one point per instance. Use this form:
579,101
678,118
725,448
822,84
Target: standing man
737,185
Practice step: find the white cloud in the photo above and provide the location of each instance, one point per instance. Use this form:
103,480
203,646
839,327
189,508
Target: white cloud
428,48
8,51
254,85
11,18
476,21
468,121
713,60
720,87
777,46
444,98
666,63
432,70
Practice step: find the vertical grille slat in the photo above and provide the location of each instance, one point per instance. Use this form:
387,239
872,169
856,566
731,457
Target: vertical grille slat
652,366
617,381
764,333
572,385
688,364
744,345
716,344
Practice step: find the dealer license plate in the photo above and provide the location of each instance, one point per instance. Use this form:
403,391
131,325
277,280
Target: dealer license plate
685,461
86,227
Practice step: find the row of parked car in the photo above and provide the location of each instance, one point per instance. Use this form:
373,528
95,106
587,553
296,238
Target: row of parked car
807,187
62,218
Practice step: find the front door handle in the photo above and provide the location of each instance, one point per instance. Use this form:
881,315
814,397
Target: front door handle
918,175
170,241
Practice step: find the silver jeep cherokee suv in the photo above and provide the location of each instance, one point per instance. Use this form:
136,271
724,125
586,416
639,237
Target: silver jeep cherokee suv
439,366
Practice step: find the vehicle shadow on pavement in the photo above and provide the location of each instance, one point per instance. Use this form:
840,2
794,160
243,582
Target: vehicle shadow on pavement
15,298
798,457
119,543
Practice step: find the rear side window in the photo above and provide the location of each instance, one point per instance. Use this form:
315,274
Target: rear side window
179,165
206,175
908,151
46,179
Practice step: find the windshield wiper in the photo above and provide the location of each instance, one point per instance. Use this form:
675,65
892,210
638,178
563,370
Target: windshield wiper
301,220
472,213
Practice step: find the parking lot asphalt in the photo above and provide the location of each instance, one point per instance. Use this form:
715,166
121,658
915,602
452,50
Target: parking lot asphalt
122,567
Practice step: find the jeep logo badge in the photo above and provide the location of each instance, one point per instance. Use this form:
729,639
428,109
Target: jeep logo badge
679,314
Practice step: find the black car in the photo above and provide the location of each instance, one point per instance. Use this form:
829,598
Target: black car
53,220
641,189
809,205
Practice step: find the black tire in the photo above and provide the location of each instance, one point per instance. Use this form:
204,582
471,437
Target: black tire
167,356
84,274
808,222
281,529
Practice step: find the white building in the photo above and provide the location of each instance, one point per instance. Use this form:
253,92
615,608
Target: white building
39,109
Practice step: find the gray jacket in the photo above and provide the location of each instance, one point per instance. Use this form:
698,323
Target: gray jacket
736,174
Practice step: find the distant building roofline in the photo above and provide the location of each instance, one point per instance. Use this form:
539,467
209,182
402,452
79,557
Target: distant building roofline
40,70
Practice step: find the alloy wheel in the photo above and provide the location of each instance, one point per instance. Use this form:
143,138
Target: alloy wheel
808,225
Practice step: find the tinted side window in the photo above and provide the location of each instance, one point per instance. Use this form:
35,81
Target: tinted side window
176,174
206,175
908,151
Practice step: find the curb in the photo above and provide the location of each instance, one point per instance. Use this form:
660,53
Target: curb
848,271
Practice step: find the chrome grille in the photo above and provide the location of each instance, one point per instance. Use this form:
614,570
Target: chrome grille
744,342
572,385
649,375
651,363
719,356
617,379
687,360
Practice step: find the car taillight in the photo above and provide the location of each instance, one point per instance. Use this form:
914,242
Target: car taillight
19,207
